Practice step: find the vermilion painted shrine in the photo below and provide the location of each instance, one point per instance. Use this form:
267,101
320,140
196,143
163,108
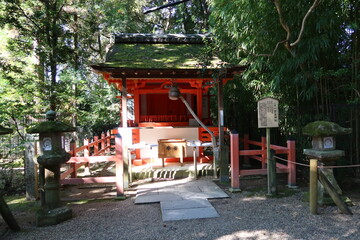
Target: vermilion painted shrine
143,67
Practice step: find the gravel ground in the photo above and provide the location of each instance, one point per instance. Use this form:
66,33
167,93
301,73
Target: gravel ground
242,216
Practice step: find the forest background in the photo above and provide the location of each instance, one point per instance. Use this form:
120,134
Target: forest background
304,53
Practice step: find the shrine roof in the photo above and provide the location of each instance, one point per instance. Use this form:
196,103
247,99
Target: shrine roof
167,51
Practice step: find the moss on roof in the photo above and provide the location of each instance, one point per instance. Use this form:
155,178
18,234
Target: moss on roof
159,56
51,126
324,128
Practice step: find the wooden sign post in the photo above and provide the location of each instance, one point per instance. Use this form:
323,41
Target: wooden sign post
268,117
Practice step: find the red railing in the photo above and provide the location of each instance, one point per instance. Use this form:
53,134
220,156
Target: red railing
95,149
164,118
93,153
257,151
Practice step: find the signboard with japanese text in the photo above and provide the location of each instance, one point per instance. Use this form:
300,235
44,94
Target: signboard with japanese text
268,113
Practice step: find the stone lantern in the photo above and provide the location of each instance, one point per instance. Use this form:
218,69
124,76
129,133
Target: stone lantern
324,149
52,155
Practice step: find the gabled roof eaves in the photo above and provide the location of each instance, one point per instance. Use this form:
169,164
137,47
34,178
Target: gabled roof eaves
161,38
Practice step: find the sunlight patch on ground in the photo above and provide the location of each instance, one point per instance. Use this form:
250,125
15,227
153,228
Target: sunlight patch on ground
258,235
249,199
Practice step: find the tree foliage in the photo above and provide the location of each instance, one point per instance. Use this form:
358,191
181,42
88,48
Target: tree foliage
304,53
45,61
288,46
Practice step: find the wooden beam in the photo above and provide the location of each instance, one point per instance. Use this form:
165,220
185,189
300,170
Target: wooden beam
166,73
235,165
252,152
333,193
92,159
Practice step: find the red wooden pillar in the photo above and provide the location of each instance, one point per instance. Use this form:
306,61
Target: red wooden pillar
102,141
108,137
234,158
73,154
291,163
136,107
119,167
96,146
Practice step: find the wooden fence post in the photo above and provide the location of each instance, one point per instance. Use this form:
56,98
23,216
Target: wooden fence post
96,146
272,173
87,154
235,168
313,185
291,156
119,167
73,154
86,151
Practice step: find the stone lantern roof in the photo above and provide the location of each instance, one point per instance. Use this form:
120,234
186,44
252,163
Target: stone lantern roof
324,128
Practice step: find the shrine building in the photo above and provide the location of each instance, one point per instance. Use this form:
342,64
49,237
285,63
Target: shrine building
144,67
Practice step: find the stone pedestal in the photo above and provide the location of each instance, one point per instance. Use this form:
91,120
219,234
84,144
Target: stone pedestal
54,216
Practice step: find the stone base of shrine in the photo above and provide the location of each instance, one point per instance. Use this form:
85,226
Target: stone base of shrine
172,171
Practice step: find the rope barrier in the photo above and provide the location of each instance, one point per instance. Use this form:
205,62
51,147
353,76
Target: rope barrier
285,160
306,165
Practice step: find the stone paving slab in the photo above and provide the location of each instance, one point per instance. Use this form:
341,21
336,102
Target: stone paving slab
185,204
156,198
202,195
163,184
182,199
193,189
190,213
